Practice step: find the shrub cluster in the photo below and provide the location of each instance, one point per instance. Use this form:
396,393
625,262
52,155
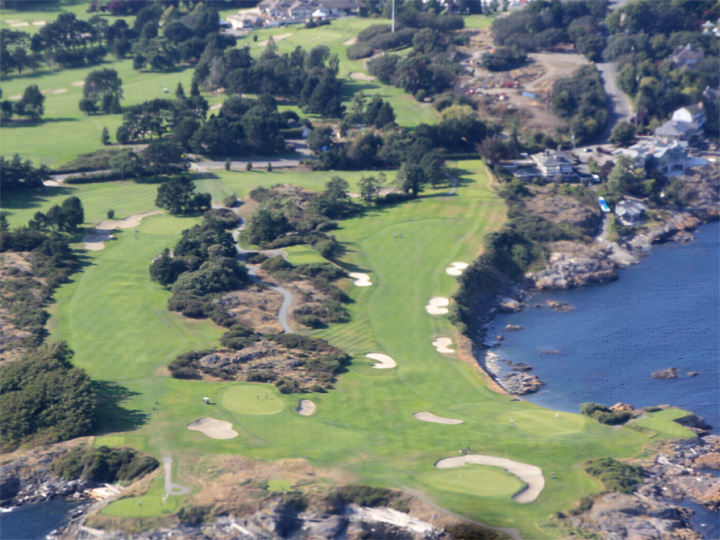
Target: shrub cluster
604,415
104,465
616,476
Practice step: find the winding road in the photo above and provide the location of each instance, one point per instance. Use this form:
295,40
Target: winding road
618,103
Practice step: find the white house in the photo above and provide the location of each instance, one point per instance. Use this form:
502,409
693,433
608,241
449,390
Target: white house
691,113
669,157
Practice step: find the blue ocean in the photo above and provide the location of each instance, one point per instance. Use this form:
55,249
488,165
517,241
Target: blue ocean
34,521
661,313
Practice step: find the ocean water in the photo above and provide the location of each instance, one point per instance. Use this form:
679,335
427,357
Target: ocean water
663,312
34,521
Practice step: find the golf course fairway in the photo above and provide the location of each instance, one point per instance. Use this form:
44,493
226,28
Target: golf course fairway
116,320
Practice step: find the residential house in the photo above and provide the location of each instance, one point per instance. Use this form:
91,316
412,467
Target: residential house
630,212
676,130
691,113
669,157
554,165
687,56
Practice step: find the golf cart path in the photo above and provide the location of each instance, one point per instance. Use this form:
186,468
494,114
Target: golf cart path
171,488
530,474
252,271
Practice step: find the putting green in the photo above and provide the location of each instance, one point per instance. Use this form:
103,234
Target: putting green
544,422
477,480
251,399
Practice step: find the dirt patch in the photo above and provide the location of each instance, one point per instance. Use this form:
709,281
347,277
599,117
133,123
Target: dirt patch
77,83
553,206
256,307
215,107
305,407
277,38
213,428
430,417
360,76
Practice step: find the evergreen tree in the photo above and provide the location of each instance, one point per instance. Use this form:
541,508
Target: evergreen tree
105,137
180,91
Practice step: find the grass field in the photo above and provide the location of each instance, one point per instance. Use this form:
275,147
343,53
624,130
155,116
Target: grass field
482,480
117,322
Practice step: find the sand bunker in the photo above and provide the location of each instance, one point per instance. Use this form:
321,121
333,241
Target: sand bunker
430,417
437,305
213,428
361,280
441,344
39,23
275,38
77,83
58,91
216,107
530,474
305,407
103,230
360,76
385,362
456,268
351,41
19,23
16,96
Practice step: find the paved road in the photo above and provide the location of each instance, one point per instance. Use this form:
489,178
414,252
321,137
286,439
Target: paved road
618,102
240,164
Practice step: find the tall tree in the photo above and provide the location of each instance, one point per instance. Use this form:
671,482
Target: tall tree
103,88
31,104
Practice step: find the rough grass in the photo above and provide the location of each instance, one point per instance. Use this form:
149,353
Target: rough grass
151,504
663,424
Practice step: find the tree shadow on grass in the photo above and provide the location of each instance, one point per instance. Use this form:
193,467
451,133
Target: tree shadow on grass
110,415
20,200
35,123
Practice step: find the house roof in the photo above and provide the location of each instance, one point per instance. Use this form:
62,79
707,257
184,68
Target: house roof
687,54
629,208
553,158
676,128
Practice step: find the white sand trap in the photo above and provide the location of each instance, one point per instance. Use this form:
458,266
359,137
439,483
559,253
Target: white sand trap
360,76
530,474
39,23
58,91
216,107
19,23
430,417
437,305
441,344
456,268
213,428
103,230
78,83
361,280
275,38
385,362
351,41
306,407
16,96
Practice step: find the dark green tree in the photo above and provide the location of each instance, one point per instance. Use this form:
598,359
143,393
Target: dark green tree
31,104
623,134
105,136
103,88
178,197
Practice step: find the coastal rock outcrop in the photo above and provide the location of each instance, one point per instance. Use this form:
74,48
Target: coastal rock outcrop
669,373
521,383
510,305
572,264
562,307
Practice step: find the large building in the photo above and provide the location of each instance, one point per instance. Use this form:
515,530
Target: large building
669,157
300,10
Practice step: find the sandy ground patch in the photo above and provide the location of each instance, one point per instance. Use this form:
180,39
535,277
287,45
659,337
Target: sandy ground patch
16,96
306,407
277,38
437,305
442,345
360,76
351,41
103,230
215,107
58,91
77,83
530,474
430,417
360,280
393,517
456,268
385,362
213,428
19,23
39,23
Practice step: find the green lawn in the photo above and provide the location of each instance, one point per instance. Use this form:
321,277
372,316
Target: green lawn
483,480
117,322
153,503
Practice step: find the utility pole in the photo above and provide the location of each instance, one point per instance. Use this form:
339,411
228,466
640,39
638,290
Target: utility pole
392,26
